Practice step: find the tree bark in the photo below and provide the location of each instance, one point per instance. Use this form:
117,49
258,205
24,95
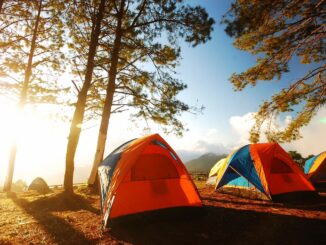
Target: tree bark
1,4
22,99
78,117
106,113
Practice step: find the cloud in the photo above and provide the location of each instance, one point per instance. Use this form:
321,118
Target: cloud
241,126
313,139
212,131
201,147
204,147
197,143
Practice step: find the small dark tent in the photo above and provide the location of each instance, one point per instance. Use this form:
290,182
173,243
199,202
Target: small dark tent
39,185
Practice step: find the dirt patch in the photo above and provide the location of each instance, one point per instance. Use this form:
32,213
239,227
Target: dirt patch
56,218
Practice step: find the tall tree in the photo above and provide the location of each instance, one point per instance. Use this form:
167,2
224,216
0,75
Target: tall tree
30,32
278,32
138,29
78,116
1,4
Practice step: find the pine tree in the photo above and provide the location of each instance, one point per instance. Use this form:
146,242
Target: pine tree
31,38
278,32
80,106
138,29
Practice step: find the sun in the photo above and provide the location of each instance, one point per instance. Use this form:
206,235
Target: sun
38,138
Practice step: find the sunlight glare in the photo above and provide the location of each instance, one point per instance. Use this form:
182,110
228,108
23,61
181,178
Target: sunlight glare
35,134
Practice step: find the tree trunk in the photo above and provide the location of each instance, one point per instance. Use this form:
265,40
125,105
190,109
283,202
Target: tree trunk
106,113
77,120
1,4
22,100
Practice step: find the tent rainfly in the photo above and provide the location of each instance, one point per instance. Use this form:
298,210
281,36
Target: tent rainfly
267,167
143,175
239,181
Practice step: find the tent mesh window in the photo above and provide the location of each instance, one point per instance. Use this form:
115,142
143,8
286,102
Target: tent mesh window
156,142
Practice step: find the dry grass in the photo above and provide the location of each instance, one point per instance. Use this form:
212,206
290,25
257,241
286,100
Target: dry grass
55,218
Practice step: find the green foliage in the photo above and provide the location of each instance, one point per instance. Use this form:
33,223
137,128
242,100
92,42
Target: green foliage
297,157
17,25
278,31
145,82
150,53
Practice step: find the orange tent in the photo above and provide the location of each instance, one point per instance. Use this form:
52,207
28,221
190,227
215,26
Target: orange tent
142,175
267,167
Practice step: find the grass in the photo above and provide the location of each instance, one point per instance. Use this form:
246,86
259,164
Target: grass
55,218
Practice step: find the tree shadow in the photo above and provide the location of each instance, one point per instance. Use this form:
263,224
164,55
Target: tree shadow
316,204
63,202
223,226
60,230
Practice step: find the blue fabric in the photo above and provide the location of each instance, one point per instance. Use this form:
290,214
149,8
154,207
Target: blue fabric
228,174
309,163
240,182
242,163
240,171
228,177
107,168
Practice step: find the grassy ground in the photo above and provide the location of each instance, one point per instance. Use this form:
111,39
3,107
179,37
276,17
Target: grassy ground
54,218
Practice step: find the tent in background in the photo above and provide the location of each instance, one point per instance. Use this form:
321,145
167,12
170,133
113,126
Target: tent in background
143,175
214,170
39,185
239,181
267,167
315,169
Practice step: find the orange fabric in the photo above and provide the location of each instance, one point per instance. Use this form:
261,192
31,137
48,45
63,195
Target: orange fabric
262,153
277,171
279,167
140,196
153,167
147,177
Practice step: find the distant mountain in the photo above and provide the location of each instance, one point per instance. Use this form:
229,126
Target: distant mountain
204,163
186,155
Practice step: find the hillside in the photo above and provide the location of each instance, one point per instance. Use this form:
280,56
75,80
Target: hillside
204,163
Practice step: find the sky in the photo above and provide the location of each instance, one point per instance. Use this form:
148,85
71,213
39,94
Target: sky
223,126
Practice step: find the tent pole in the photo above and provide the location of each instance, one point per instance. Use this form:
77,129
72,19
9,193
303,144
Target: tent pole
248,180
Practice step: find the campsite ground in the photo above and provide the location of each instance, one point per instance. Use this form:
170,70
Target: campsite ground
29,218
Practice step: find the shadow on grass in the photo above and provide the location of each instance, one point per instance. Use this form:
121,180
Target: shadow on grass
316,204
64,202
61,230
222,226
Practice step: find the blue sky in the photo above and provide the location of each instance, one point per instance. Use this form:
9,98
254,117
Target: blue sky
207,68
